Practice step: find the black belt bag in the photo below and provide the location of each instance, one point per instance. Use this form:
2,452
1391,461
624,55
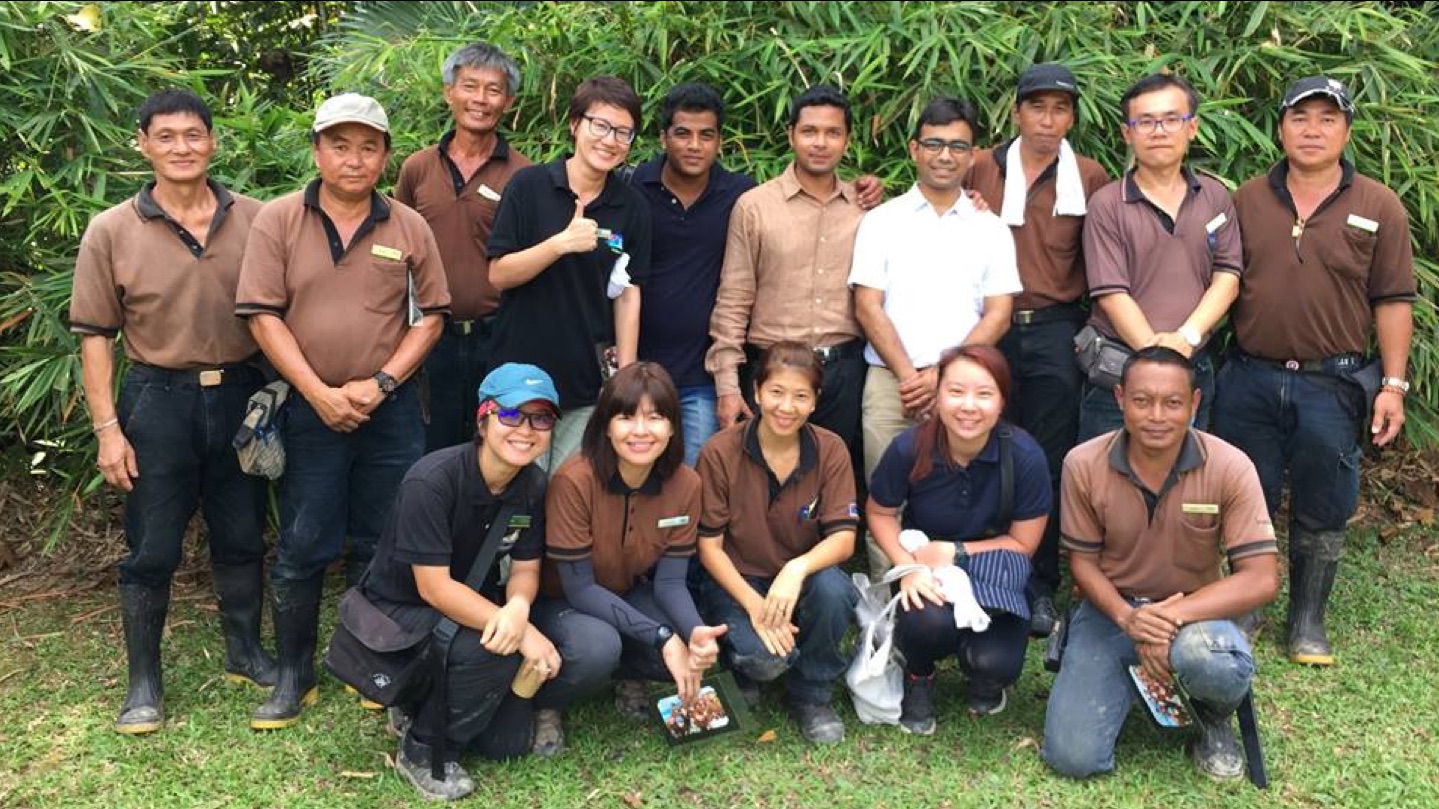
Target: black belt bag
1100,358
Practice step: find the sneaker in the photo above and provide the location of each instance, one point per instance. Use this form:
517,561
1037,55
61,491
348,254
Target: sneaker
397,722
632,699
818,723
917,711
1043,616
1215,751
456,784
986,704
549,733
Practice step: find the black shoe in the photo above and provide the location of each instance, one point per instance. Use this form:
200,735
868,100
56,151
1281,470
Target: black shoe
143,611
1042,617
1215,751
819,724
413,762
241,590
917,711
297,614
982,704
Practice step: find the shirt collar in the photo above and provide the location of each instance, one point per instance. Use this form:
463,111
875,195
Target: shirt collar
379,208
808,449
1279,179
1191,455
501,152
915,202
149,209
560,179
1132,193
789,185
652,485
478,491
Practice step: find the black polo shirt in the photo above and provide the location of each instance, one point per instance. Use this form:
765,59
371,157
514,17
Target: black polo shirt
558,318
687,253
440,518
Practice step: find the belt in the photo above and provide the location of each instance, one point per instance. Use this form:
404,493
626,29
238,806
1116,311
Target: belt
1337,364
464,328
850,349
1049,314
204,377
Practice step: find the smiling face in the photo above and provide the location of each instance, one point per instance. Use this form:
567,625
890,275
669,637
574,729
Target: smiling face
692,142
818,138
602,153
943,171
478,99
640,438
969,403
1314,133
178,145
786,399
516,446
1158,403
351,157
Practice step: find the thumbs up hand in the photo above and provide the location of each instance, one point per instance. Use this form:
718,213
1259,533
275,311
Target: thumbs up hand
704,646
581,236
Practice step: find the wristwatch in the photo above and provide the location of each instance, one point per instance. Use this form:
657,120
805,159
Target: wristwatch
1398,383
1191,336
662,636
386,382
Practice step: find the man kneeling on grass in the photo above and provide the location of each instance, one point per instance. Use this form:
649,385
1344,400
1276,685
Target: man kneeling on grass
1146,511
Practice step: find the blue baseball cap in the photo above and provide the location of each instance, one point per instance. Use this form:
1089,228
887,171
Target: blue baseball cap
514,384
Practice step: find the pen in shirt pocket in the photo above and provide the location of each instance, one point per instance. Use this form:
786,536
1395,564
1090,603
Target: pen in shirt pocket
811,511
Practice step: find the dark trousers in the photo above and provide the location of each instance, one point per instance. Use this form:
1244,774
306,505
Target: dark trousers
481,714
342,485
1099,413
1304,424
592,650
453,372
990,660
181,435
1045,403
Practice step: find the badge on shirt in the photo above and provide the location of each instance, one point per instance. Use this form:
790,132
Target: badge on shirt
1216,223
488,193
674,522
387,253
519,521
1363,223
613,239
1200,508
854,510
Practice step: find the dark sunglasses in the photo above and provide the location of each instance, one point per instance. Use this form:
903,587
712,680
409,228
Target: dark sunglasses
542,421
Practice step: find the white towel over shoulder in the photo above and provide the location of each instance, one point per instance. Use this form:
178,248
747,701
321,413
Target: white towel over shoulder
1068,192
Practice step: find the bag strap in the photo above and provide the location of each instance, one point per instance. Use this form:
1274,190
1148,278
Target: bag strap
1006,478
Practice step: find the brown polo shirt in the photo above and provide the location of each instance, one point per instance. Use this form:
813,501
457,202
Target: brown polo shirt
1310,288
623,531
785,274
1049,248
765,522
1165,264
141,272
1155,544
347,305
461,212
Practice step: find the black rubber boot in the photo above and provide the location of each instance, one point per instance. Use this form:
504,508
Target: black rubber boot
1313,561
1215,751
143,612
241,589
297,615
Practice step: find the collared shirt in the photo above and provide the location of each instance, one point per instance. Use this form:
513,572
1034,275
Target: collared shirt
785,270
442,517
1155,544
622,531
562,318
1132,246
139,271
687,253
461,212
766,522
935,270
1049,247
346,304
1309,288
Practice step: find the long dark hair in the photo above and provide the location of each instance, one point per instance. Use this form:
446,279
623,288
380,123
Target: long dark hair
932,439
621,396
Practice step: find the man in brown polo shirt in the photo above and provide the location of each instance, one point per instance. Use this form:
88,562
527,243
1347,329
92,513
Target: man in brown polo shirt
1150,513
162,267
1040,187
1327,254
345,292
1161,247
457,185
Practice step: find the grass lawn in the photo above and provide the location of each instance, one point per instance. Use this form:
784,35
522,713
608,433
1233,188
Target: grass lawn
1364,733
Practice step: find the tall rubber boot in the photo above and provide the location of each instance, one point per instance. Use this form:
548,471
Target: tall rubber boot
143,611
1214,750
1313,561
241,589
297,615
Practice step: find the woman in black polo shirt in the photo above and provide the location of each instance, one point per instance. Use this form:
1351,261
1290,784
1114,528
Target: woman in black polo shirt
444,511
779,518
948,474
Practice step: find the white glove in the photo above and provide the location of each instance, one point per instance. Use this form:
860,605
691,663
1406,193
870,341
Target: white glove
619,277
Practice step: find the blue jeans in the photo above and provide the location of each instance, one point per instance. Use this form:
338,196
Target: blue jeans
342,485
1099,413
1307,425
181,435
697,417
592,650
1092,694
823,614
453,372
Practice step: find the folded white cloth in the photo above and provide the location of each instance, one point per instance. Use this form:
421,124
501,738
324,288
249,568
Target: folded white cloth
1068,191
619,277
954,583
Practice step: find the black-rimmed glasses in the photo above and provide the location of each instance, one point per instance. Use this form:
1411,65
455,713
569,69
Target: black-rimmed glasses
602,129
1165,123
935,146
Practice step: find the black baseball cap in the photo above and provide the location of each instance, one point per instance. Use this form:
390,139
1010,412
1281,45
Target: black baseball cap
1040,78
1319,86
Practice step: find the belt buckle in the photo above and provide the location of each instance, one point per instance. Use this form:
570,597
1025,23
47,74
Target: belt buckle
1292,365
211,378
1023,317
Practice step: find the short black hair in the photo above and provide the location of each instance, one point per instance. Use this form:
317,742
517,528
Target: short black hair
691,97
821,95
174,100
946,110
1159,355
610,90
621,395
1158,81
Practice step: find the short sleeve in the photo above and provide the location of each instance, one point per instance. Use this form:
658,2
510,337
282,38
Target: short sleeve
1247,528
1079,526
1106,262
1033,491
95,306
532,540
1001,273
509,234
840,512
638,238
432,288
1391,274
426,537
569,536
715,491
681,539
1229,247
261,287
889,484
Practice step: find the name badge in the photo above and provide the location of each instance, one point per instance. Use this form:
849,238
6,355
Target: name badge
1200,508
520,521
488,193
1216,223
674,522
1363,223
386,252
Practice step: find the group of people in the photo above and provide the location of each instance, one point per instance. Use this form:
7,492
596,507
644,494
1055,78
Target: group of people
684,397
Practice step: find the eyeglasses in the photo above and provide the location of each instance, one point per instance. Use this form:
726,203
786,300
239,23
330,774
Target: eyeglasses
1167,123
602,129
935,146
541,421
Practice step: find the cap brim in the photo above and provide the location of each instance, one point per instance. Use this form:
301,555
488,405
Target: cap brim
1340,101
338,121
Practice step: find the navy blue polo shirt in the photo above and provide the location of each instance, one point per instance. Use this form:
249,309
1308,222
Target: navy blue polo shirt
960,503
685,263
561,317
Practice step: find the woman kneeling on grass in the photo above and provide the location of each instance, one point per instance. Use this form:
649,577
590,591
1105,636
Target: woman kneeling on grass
948,473
446,505
621,532
779,518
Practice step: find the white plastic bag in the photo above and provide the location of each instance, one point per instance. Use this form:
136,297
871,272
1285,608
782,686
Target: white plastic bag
875,677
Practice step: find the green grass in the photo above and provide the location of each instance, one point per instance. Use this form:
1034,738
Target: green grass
1361,734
